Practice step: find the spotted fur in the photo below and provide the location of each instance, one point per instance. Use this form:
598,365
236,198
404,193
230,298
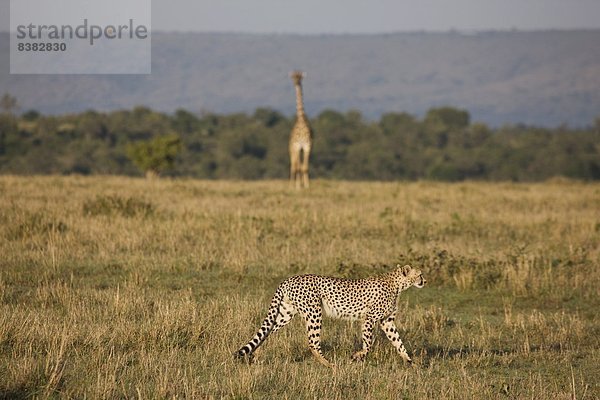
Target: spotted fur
372,301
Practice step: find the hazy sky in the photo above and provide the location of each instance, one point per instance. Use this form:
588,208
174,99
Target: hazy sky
354,16
360,16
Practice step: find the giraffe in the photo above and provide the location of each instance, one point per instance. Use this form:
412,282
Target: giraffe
300,138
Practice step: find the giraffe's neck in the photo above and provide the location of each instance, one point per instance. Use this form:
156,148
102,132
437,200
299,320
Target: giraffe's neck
299,102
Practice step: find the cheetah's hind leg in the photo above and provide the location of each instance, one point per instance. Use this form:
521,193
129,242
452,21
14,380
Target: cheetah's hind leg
367,341
313,329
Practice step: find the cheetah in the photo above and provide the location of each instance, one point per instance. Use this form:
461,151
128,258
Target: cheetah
372,301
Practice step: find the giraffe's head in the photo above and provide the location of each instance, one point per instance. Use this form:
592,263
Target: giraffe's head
297,77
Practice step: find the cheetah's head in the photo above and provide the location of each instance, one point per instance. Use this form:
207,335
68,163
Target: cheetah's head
414,276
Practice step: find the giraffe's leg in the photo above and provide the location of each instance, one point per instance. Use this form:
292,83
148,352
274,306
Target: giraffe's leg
298,176
313,329
293,166
304,166
367,340
389,328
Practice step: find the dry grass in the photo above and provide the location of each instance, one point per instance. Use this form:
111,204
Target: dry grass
125,288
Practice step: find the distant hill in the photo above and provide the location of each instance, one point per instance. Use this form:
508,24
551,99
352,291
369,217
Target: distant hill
542,78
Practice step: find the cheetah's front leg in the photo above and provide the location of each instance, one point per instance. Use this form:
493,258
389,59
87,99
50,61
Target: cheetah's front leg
367,340
389,328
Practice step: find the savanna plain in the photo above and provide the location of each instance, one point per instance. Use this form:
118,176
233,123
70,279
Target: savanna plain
114,287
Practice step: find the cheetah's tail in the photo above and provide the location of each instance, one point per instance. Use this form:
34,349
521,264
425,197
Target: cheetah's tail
266,328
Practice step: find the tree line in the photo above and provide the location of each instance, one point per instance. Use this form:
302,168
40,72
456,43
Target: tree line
443,145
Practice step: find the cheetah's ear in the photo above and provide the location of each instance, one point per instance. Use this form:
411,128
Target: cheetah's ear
405,270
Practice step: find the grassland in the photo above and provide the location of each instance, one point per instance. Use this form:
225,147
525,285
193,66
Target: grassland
127,288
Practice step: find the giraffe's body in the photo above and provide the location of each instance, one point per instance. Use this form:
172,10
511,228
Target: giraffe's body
300,138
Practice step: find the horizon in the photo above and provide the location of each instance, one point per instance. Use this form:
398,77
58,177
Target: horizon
509,86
